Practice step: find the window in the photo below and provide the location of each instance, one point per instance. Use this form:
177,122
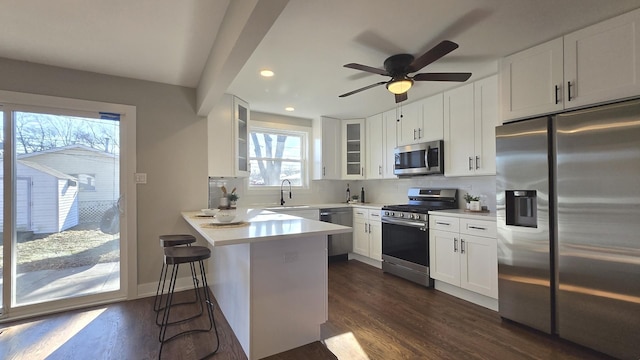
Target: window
87,181
276,155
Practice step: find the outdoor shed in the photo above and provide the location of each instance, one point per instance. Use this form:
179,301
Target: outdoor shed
47,199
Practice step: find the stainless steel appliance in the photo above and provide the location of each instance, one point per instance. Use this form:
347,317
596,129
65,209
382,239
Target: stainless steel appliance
405,233
568,209
340,244
419,159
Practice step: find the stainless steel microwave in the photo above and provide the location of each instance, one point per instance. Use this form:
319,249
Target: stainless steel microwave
419,159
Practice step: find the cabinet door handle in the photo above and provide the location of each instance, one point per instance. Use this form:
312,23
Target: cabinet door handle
569,90
369,228
379,169
414,134
461,246
470,163
557,88
477,162
455,245
324,171
419,133
365,227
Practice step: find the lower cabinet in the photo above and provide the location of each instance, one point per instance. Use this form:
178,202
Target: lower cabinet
463,252
367,233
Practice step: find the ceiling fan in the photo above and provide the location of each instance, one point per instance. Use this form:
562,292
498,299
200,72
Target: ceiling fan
401,65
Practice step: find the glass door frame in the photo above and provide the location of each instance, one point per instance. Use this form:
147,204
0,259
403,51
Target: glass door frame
13,101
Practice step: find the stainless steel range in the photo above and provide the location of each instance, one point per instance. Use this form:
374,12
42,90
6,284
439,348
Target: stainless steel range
405,233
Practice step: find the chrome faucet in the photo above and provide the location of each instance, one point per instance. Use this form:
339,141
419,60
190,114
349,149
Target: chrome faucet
282,191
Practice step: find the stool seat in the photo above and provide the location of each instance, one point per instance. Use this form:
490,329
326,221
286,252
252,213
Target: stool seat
182,255
176,240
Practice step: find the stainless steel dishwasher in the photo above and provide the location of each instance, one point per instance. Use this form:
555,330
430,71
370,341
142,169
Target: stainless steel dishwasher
340,244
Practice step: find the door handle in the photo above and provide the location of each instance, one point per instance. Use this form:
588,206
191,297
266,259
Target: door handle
461,246
470,163
477,162
569,90
324,171
455,245
414,134
419,133
426,157
379,169
365,228
556,90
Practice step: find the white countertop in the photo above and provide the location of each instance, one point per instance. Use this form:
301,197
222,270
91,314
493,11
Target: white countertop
461,213
263,226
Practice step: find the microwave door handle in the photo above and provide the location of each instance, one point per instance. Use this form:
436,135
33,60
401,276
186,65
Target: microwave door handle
426,157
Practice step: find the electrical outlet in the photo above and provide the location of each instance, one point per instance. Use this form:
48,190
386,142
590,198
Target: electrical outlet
141,178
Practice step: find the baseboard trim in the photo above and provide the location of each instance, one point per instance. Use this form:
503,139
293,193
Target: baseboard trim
149,289
366,260
470,296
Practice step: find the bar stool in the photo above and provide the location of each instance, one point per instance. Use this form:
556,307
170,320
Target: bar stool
175,256
172,240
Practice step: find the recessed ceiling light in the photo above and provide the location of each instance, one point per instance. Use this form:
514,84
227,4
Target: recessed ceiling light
266,73
289,108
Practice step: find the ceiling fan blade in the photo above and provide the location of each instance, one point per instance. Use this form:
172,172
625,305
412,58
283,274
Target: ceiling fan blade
366,68
460,77
401,97
432,55
363,89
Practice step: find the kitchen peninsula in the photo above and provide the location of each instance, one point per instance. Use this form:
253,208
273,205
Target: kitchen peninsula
269,275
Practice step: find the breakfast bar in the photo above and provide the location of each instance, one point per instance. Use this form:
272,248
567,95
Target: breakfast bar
268,273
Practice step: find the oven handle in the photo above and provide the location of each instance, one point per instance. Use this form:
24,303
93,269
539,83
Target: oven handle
422,226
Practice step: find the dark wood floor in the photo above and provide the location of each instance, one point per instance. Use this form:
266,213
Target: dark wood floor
371,316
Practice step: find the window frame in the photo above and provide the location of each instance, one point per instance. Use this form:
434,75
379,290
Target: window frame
283,129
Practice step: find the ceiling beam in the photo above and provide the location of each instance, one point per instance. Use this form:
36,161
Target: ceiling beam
244,26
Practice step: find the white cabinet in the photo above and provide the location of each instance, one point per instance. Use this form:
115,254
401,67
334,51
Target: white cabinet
227,131
367,233
327,156
421,121
375,147
389,139
596,64
353,146
602,62
410,123
531,81
463,252
470,118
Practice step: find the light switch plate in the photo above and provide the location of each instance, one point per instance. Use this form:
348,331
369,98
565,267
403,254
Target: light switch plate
141,178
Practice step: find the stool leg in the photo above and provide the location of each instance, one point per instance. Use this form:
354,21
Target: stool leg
167,309
157,301
210,308
160,291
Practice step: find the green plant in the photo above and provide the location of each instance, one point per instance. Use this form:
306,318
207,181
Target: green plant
233,197
469,198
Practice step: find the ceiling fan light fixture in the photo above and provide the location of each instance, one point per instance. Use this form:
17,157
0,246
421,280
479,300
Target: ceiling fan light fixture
399,85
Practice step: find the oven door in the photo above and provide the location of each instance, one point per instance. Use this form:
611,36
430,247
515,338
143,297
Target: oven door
407,241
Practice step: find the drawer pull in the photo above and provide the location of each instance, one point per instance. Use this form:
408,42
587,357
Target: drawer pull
443,223
477,228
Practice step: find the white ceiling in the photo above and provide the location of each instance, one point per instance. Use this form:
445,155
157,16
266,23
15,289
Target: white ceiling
169,41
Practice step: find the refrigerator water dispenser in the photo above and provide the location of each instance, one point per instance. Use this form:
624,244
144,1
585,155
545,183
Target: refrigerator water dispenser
521,208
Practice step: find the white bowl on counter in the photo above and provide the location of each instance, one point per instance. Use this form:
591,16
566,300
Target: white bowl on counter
226,216
209,212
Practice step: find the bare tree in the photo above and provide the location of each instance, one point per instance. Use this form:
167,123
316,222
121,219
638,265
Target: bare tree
271,165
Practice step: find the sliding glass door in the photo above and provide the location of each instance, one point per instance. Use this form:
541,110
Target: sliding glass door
61,174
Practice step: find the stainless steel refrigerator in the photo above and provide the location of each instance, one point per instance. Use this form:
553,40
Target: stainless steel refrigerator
568,209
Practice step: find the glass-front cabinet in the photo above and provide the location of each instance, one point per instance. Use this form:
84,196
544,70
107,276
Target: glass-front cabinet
353,146
228,131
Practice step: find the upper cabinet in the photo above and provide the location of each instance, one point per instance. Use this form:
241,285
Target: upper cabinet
353,146
597,64
532,81
389,138
421,121
228,130
327,149
375,149
602,62
470,118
